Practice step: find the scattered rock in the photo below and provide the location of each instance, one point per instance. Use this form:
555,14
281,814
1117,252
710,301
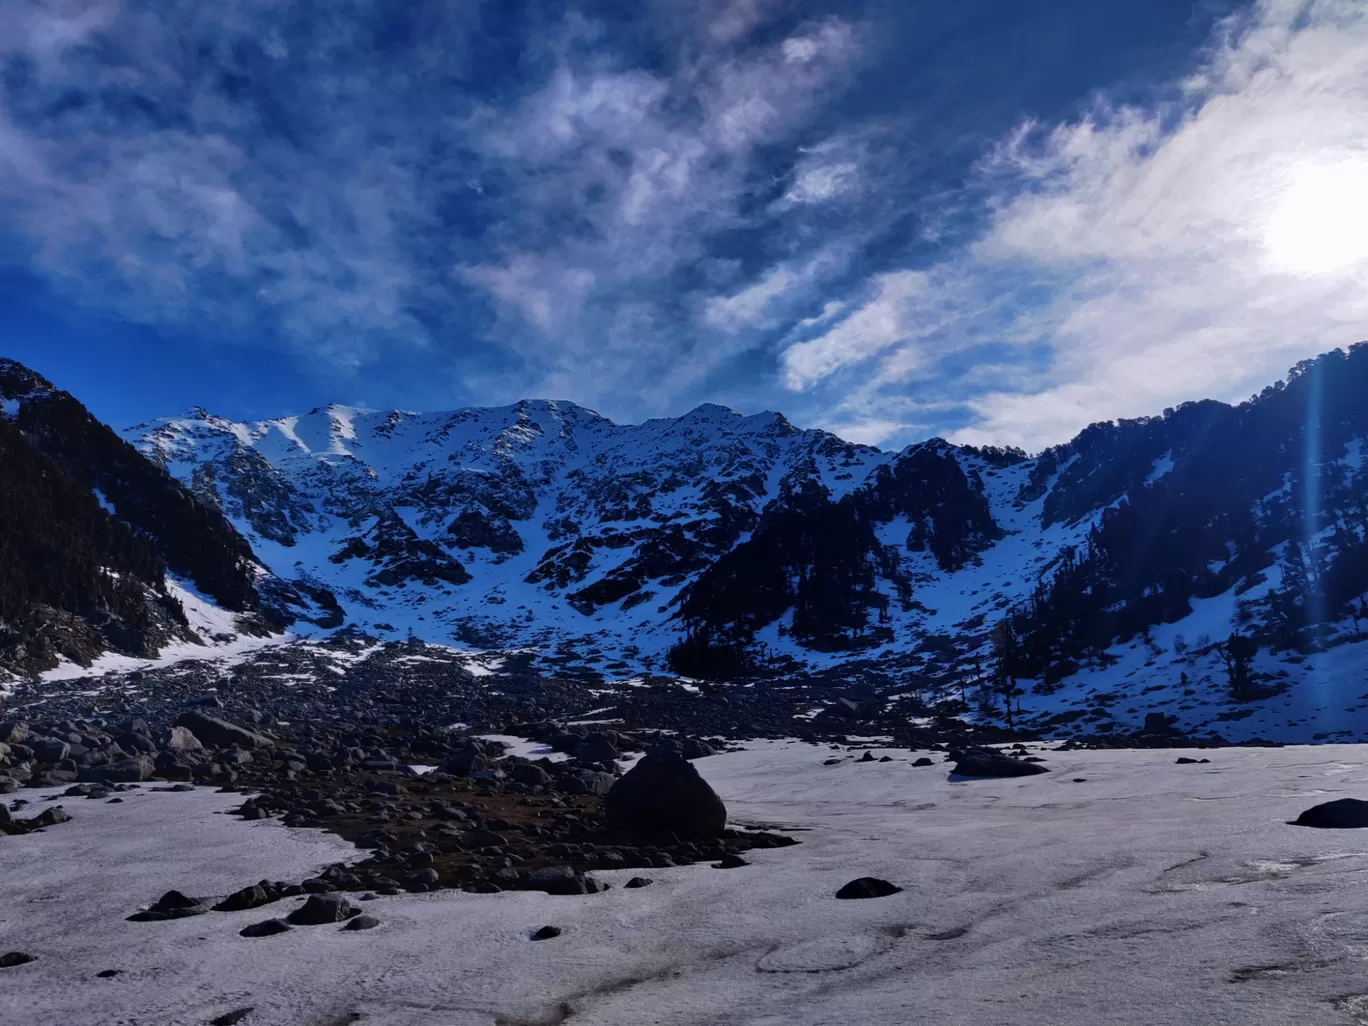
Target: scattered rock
249,897
867,887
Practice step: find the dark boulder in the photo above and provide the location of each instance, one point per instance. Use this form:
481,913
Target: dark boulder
211,730
989,762
547,933
663,793
247,898
362,923
1341,814
10,959
867,887
322,909
267,928
171,905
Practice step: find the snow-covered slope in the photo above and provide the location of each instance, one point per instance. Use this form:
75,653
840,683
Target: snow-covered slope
1118,889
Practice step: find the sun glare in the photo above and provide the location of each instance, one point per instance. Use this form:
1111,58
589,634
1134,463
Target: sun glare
1320,223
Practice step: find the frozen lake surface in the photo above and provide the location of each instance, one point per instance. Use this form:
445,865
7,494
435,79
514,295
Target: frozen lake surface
1148,893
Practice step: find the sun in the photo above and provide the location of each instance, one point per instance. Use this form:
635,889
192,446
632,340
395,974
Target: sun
1320,223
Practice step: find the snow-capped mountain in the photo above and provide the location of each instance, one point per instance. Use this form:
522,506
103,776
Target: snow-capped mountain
537,523
720,545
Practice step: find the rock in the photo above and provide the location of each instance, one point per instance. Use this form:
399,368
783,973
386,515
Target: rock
108,974
867,887
181,740
10,959
868,757
247,898
15,732
171,905
125,771
362,923
231,1018
1341,814
49,749
547,933
663,793
214,731
637,882
730,861
266,928
989,762
321,909
924,761
560,880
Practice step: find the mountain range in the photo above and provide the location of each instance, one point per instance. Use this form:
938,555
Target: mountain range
1212,549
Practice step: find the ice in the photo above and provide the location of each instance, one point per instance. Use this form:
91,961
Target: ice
1117,889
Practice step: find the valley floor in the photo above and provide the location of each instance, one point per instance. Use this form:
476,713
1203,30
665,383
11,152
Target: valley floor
1117,888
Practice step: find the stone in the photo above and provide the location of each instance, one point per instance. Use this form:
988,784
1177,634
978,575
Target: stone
171,905
362,923
547,933
321,909
637,882
988,762
182,740
558,880
924,761
867,887
730,861
215,731
664,793
1341,814
10,959
249,897
134,769
265,928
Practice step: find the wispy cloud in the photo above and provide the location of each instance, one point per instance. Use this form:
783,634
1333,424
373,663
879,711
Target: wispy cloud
1194,248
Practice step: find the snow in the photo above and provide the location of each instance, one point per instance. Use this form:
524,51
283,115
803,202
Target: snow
1161,467
217,628
1148,893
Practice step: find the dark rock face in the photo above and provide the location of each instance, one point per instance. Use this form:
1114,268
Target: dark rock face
321,909
663,793
1341,814
867,887
989,762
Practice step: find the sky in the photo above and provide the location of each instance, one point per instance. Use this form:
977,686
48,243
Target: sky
987,220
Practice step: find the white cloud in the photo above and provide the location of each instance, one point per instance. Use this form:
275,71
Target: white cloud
887,319
1161,239
747,307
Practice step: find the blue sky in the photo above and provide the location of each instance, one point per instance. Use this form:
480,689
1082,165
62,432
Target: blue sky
988,220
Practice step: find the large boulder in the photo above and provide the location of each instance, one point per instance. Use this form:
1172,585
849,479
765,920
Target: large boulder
211,730
989,762
1341,814
322,909
125,771
182,740
664,794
